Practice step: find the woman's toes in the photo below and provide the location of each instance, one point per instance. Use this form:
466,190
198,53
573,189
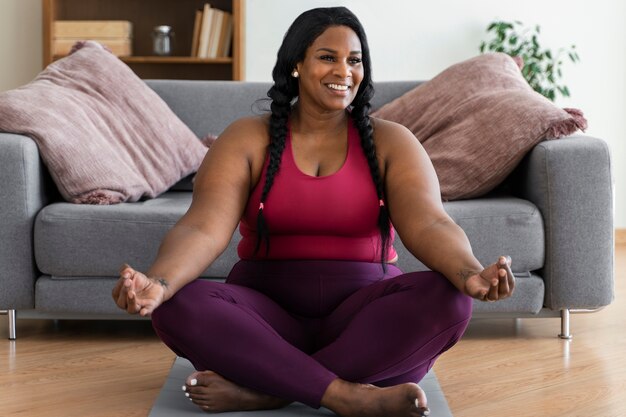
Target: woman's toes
199,380
197,387
192,380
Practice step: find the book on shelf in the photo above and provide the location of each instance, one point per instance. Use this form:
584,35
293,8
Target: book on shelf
196,33
216,28
205,31
226,36
213,34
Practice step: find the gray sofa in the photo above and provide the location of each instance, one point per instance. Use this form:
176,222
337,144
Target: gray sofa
553,215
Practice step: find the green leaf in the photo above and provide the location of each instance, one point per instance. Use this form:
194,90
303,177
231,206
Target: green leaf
542,66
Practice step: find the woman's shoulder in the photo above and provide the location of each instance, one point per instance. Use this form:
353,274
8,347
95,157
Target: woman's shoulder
247,128
390,134
247,135
242,145
246,138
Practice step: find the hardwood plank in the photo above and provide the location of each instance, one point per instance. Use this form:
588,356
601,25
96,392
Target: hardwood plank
81,368
502,367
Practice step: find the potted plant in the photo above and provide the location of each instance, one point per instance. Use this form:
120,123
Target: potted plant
541,67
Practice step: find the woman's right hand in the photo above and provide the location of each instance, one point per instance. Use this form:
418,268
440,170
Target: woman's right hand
136,293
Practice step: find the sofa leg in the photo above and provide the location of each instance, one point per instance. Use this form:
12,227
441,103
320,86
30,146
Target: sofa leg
11,315
565,332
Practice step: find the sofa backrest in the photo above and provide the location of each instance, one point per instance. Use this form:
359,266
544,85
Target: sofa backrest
208,107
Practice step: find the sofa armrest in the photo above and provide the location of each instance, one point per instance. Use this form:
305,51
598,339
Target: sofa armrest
22,194
570,181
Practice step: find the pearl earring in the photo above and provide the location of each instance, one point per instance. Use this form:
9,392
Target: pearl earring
295,74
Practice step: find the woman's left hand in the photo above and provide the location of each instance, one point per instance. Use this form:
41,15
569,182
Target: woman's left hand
492,283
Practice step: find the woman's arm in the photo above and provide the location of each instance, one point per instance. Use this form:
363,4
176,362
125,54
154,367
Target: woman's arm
223,183
417,213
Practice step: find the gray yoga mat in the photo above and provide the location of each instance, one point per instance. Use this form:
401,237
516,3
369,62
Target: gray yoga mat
172,402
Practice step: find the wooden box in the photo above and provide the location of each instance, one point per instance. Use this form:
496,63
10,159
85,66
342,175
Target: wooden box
114,34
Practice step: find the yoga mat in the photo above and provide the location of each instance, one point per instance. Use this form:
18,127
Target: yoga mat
172,402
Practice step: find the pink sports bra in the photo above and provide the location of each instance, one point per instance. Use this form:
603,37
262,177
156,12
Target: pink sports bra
332,217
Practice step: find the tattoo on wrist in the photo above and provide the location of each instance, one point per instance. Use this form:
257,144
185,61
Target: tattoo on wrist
161,281
464,274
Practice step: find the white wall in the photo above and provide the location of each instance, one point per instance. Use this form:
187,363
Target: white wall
416,39
20,42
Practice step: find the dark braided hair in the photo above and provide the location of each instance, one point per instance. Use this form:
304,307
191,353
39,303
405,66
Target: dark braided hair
300,35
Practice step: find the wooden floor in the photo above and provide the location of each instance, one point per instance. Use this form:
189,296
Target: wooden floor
510,368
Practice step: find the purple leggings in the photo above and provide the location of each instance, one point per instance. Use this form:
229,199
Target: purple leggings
289,328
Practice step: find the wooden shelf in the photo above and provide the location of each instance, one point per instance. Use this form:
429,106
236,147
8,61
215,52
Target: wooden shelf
175,60
168,60
145,15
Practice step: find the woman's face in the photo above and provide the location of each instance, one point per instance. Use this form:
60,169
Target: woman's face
331,71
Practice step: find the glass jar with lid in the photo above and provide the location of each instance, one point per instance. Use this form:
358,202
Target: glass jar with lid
162,40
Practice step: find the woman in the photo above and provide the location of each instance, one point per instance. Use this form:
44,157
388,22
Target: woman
309,314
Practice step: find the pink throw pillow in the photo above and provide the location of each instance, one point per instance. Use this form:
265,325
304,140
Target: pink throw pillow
477,120
104,135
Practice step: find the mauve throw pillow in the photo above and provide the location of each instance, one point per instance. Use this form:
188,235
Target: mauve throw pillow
477,120
104,135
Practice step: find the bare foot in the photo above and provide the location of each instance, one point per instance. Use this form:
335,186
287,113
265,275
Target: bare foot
348,399
214,393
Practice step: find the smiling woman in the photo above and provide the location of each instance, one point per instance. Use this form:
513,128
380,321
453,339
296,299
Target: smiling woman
315,311
333,71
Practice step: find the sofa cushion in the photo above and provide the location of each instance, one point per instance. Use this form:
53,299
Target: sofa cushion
528,297
228,101
94,241
495,226
83,241
189,100
89,295
477,120
103,134
77,295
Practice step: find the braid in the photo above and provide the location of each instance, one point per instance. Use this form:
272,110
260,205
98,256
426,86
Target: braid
280,107
360,115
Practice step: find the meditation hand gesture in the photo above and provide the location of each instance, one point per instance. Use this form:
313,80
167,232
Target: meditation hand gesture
493,283
136,293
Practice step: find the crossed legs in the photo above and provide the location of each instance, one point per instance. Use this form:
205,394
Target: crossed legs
387,334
